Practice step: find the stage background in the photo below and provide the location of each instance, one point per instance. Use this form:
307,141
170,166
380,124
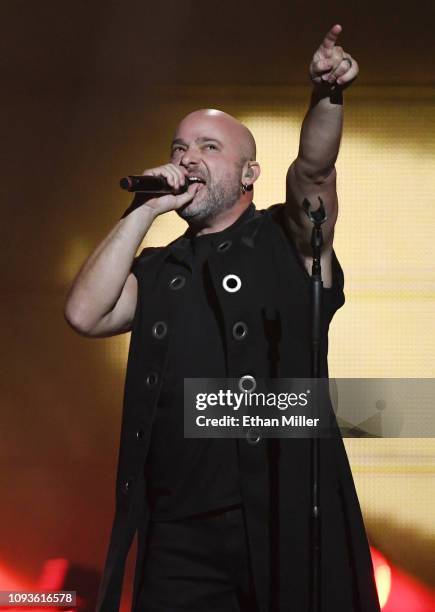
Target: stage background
94,92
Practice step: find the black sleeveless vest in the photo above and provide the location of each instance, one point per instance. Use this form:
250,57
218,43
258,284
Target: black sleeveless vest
274,302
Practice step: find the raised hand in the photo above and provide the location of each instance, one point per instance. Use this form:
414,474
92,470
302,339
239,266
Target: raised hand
331,66
176,177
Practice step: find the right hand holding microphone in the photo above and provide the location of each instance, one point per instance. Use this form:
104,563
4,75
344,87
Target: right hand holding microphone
176,178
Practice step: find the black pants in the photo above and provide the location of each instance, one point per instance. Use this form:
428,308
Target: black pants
200,564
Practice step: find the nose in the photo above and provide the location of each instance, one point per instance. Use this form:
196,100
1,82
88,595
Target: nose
189,158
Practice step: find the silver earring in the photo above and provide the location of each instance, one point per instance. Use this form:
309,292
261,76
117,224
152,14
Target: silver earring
244,187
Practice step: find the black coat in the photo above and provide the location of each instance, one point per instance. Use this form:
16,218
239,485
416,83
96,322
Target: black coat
274,302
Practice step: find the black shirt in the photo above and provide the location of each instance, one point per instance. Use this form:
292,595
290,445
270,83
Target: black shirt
188,476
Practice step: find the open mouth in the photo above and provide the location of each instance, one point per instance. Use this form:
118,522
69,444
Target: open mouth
191,180
195,179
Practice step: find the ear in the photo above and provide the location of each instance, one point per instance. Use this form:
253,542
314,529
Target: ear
251,172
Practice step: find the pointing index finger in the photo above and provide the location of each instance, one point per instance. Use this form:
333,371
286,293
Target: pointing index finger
331,37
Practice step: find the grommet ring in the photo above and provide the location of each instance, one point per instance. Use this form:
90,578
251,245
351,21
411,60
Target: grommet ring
128,484
231,283
240,330
247,383
224,246
151,379
177,282
253,436
160,329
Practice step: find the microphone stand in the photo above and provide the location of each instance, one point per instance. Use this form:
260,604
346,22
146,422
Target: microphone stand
317,217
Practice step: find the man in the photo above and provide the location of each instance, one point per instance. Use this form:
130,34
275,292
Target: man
223,524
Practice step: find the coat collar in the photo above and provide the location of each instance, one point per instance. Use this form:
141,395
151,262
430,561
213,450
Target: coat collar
245,229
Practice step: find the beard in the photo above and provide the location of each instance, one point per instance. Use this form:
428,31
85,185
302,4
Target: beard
211,200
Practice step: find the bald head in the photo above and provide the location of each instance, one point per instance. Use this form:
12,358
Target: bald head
219,151
230,127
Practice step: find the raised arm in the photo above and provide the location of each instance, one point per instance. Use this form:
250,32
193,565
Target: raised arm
312,174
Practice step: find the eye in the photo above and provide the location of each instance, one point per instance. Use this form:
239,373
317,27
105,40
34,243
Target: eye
211,146
177,148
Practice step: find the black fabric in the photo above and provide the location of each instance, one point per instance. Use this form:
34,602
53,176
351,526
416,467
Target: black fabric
274,302
189,475
197,564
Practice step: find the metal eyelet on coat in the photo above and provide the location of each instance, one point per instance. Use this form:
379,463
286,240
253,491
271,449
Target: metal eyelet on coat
160,329
128,485
240,330
247,383
224,246
253,436
177,282
139,433
231,283
151,379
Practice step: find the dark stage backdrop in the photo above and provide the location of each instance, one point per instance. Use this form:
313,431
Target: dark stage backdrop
92,91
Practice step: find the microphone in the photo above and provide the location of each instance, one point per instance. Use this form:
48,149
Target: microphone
148,187
151,185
